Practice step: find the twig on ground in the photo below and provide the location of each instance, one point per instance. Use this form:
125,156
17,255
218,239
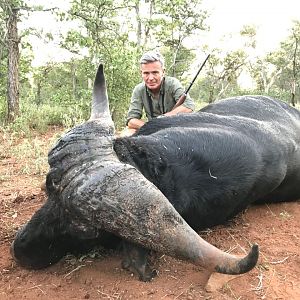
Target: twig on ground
76,269
104,294
232,293
36,287
242,248
259,286
114,296
274,215
183,291
269,284
279,261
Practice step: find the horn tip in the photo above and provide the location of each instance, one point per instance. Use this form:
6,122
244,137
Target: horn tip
243,265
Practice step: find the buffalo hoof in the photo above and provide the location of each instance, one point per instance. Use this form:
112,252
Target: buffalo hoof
135,260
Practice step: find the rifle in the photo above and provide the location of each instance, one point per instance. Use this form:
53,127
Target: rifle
184,95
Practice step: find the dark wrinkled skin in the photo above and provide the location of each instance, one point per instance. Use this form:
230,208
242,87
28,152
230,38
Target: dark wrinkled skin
211,165
205,167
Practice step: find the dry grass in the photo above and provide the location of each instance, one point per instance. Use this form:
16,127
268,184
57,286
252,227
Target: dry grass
23,164
28,153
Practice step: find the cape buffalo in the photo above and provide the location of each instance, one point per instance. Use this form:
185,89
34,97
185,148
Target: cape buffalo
176,175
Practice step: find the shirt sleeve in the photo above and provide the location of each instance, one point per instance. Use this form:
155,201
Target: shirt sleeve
136,106
178,91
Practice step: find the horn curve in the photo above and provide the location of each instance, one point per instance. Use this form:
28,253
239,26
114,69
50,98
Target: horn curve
136,210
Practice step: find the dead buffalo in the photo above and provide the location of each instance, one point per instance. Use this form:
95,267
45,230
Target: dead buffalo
152,190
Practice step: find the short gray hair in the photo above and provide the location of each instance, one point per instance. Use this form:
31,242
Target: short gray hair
152,56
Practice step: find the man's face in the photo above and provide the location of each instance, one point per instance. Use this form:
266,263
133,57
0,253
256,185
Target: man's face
152,74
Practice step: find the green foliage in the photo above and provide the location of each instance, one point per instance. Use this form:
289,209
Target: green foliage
182,62
107,44
121,77
221,77
172,23
51,94
39,117
116,33
278,73
61,83
249,33
3,63
179,19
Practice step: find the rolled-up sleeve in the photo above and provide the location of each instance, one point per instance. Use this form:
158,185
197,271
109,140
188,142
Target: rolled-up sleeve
136,105
189,103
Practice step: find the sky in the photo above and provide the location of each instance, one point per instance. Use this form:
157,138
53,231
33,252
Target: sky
272,19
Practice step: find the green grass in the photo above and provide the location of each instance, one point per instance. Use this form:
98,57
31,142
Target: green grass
40,117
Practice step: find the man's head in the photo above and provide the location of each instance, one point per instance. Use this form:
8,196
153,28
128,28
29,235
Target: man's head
152,70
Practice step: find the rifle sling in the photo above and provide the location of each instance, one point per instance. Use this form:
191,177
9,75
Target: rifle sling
150,104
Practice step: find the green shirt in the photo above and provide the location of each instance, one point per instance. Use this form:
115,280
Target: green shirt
170,91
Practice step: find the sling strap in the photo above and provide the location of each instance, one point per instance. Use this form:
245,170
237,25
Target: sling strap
162,109
150,104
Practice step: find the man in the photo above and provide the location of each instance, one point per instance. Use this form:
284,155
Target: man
157,94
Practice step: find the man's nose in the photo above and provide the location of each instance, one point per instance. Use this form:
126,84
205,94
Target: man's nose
151,76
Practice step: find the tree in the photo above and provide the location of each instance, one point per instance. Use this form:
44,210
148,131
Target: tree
223,73
3,63
295,72
287,63
168,25
102,33
10,12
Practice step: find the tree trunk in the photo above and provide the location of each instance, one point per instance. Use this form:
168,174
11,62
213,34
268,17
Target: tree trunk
38,99
74,85
293,93
13,67
139,23
148,27
294,79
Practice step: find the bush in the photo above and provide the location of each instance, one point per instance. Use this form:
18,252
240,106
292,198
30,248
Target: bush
39,117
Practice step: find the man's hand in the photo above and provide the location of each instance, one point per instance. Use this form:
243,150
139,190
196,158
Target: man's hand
178,110
135,123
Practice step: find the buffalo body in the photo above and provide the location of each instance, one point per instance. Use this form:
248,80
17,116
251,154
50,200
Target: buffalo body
153,190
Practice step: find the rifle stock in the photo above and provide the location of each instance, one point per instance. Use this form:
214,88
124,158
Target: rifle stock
180,100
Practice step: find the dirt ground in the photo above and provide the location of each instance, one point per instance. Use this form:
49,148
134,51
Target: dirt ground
98,275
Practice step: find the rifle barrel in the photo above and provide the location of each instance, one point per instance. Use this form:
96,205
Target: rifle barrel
191,84
184,95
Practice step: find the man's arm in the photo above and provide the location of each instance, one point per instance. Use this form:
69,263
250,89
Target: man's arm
177,92
135,110
178,110
135,123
